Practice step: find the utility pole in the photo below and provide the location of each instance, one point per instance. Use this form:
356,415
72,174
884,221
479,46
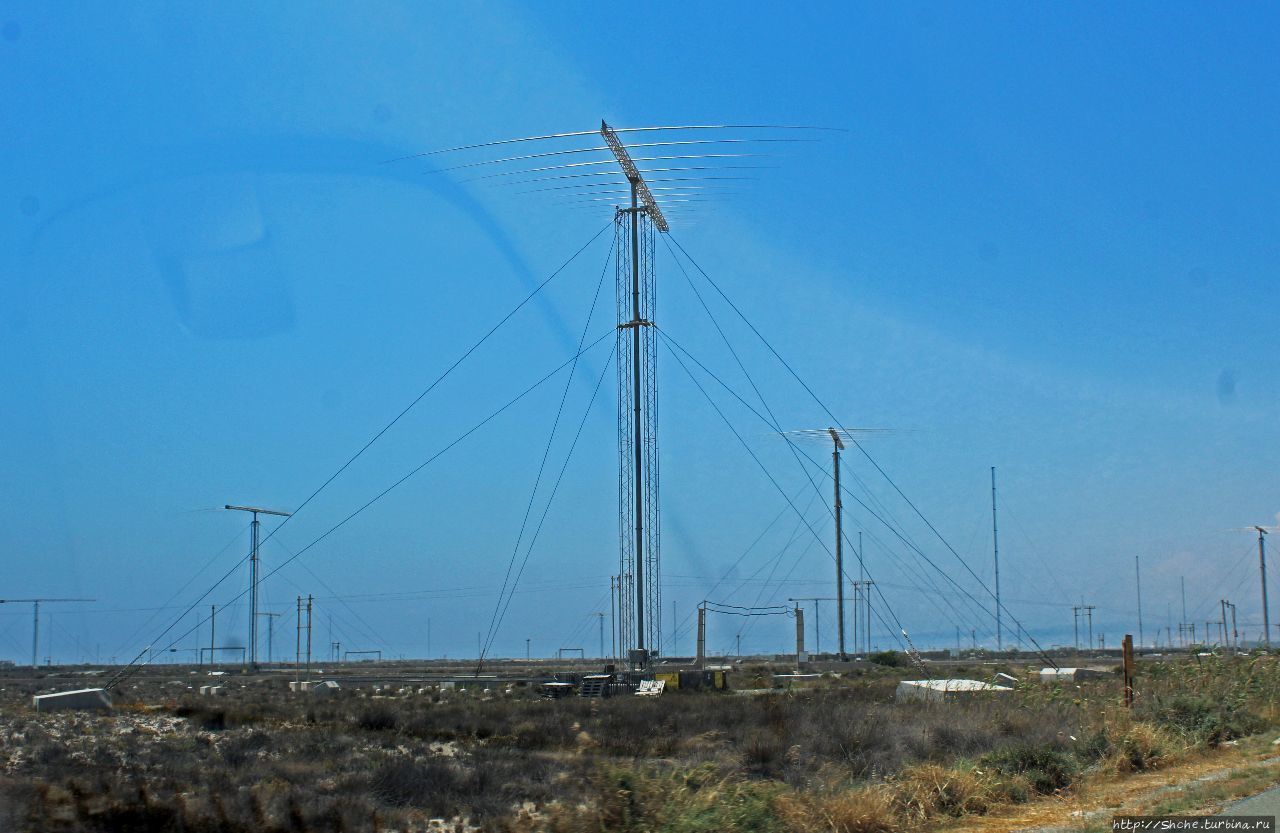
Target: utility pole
213,619
527,654
817,617
253,577
1088,612
309,637
35,621
271,625
601,615
614,583
995,541
857,611
837,447
1137,573
1262,566
1181,626
297,657
1075,627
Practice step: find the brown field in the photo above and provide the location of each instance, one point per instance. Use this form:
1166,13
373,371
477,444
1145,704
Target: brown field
838,755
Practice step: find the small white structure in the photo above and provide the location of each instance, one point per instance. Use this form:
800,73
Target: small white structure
84,699
651,688
325,688
299,685
1006,680
1070,675
945,691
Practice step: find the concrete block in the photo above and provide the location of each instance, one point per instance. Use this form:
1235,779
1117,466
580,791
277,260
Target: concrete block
327,688
945,691
84,699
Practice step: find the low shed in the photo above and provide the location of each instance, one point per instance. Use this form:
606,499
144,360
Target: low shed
945,691
84,699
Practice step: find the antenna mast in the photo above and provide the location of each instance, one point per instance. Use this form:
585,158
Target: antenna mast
253,578
995,542
640,594
1262,565
837,446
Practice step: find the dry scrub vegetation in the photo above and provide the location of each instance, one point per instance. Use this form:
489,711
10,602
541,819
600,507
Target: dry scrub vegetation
839,757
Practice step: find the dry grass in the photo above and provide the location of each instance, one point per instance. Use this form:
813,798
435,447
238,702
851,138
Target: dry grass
839,757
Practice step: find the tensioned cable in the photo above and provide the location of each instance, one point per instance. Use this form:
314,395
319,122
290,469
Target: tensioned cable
179,591
607,149
855,443
615,130
1223,577
747,447
493,415
546,453
673,343
369,631
598,162
673,169
684,622
621,182
772,420
667,338
1034,549
546,509
776,561
447,372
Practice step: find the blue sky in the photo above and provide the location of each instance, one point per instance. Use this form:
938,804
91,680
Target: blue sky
1044,241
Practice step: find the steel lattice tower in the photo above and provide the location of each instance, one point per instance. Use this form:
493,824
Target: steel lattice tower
639,527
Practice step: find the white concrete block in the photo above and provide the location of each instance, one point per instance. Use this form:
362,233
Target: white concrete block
327,688
84,699
945,691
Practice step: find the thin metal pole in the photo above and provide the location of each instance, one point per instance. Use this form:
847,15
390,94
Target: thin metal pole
1137,573
35,635
1266,612
636,415
308,637
297,656
213,614
1183,623
817,626
862,564
253,597
995,542
835,465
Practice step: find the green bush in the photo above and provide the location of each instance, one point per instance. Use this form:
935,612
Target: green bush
889,659
1046,768
1202,719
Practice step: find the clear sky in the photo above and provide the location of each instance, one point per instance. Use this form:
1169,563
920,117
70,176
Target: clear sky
1045,240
